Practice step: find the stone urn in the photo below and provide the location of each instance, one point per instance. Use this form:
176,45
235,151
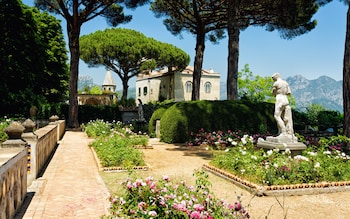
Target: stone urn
53,118
14,130
29,125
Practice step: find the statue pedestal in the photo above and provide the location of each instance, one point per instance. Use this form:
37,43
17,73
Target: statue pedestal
282,142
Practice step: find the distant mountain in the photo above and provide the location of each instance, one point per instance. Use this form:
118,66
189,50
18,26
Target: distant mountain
324,91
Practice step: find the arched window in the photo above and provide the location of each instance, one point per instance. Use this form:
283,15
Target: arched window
207,87
188,86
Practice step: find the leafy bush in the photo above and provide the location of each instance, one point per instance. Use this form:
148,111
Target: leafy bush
97,128
185,117
114,143
220,139
173,125
164,199
115,150
3,124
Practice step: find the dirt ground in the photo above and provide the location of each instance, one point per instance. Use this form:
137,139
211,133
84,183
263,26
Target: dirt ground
180,162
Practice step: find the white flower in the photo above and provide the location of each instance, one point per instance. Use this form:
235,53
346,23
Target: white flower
243,152
327,152
275,165
284,145
312,153
244,141
269,152
317,165
234,143
242,171
276,150
229,140
227,149
254,157
287,151
300,157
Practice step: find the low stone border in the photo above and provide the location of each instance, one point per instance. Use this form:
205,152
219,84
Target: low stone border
143,146
281,190
121,169
112,169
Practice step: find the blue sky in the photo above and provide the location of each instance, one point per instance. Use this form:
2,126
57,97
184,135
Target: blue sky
317,53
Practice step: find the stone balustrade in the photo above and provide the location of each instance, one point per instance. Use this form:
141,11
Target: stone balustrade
13,180
18,168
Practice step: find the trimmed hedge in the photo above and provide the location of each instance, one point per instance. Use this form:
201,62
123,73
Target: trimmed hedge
183,118
155,116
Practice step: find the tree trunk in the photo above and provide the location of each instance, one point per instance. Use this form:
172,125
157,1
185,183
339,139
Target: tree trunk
233,50
125,89
73,28
346,78
198,64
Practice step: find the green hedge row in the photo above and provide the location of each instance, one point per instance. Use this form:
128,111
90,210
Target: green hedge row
182,118
86,113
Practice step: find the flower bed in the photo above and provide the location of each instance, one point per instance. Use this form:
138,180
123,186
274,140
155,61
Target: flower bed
116,147
324,164
164,198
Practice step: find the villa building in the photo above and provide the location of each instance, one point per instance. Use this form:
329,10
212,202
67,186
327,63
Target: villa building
163,85
107,97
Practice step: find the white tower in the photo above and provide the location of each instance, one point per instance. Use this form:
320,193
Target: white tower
108,84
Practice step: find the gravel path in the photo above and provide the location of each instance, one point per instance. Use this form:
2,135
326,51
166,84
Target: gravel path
180,161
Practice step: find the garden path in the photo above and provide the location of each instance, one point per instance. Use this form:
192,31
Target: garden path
70,187
180,161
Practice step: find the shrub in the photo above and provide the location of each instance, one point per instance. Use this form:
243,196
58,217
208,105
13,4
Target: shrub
115,150
97,128
3,124
114,143
166,199
185,117
173,126
324,163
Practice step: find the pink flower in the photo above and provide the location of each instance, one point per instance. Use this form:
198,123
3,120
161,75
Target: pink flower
141,205
129,185
149,180
122,201
152,213
166,178
198,207
238,206
152,185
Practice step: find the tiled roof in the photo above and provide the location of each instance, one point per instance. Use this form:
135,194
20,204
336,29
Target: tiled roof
108,79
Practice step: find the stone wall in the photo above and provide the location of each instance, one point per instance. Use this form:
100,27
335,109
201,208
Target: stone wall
13,180
42,145
18,168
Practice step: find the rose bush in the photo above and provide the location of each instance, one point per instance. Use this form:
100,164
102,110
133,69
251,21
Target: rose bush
163,198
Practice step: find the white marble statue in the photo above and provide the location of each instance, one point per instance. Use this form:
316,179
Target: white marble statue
283,111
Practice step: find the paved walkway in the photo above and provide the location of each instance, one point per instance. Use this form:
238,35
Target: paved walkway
70,186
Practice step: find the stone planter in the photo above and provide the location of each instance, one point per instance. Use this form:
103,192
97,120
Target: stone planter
14,130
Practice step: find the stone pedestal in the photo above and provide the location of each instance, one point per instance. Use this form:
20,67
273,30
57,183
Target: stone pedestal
53,119
14,132
282,142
